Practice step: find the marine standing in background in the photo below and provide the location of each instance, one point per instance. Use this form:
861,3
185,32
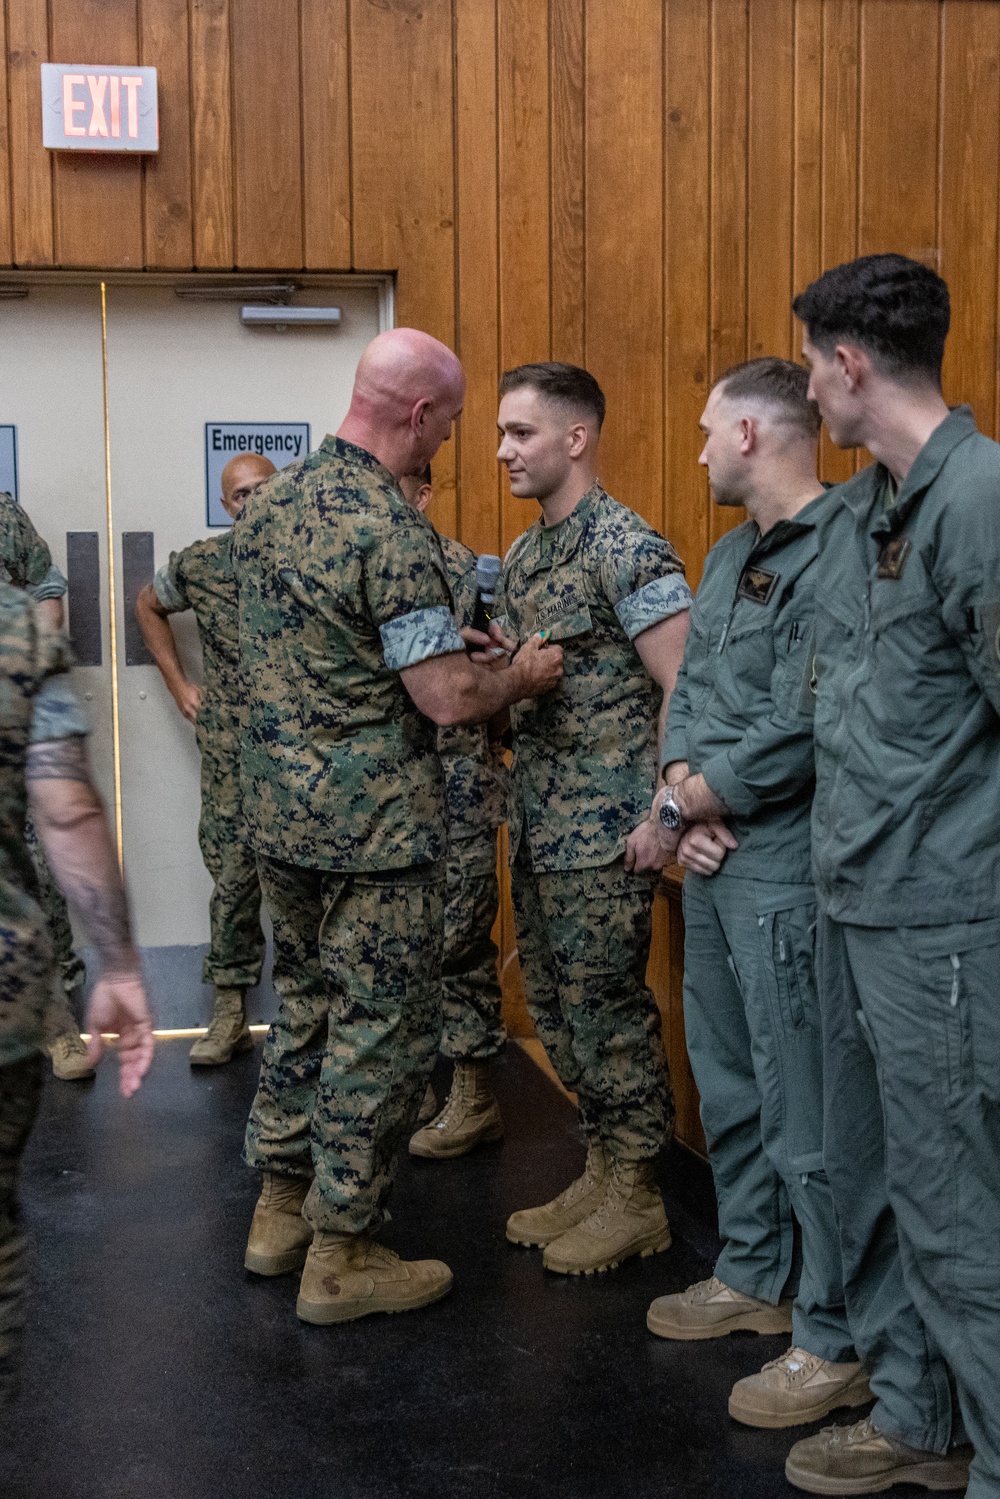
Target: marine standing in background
596,578
350,656
26,562
475,793
201,578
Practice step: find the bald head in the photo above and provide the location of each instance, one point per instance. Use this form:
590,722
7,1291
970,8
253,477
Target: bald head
240,478
408,390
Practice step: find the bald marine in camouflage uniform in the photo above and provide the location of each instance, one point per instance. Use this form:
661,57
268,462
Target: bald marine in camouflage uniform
350,656
201,578
475,794
26,562
611,590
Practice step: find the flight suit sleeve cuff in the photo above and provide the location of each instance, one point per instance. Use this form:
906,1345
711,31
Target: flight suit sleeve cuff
674,747
652,603
58,712
415,637
166,592
52,586
723,780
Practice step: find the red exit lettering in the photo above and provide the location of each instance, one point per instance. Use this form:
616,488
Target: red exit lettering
104,102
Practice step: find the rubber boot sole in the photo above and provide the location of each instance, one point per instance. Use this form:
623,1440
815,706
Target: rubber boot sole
326,1313
276,1264
445,1152
768,1321
653,1243
855,1393
245,1043
938,1473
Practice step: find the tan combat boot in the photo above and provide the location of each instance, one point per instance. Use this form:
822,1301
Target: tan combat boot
470,1117
351,1275
711,1309
539,1226
227,1034
796,1388
859,1459
279,1235
68,1050
428,1106
629,1219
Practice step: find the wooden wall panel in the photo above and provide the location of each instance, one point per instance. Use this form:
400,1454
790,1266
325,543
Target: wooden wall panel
624,274
98,198
167,223
771,163
267,133
326,133
839,227
568,174
30,175
212,135
807,166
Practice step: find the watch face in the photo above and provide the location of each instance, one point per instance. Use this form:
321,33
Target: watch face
669,815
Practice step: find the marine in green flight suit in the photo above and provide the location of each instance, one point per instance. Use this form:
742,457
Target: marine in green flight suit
907,867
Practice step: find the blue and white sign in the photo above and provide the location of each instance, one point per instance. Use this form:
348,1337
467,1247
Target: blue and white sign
282,442
91,108
8,460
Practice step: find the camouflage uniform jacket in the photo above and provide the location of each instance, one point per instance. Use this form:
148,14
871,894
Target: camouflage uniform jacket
474,773
585,755
36,703
25,559
201,578
341,586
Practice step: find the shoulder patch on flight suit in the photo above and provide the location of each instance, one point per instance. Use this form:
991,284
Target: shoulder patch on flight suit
892,558
757,585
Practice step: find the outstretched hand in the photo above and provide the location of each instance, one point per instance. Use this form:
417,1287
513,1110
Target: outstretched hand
119,1005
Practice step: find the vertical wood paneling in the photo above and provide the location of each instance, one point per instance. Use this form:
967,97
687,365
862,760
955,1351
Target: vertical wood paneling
968,211
164,45
98,199
807,184
478,289
523,204
686,197
326,134
30,164
770,176
839,235
568,179
212,135
6,228
267,135
624,273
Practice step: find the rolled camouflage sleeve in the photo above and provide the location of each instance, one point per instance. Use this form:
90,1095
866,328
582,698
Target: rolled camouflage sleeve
644,580
418,636
408,594
52,586
58,712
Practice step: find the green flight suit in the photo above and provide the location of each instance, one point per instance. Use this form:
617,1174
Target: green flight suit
742,715
584,767
907,864
201,578
36,704
342,586
474,780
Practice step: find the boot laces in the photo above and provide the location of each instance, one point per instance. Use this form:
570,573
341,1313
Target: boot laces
70,1044
797,1365
583,1184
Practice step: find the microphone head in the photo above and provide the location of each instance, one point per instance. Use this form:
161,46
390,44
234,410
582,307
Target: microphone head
487,572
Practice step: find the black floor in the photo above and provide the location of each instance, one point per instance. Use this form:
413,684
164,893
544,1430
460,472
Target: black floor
157,1369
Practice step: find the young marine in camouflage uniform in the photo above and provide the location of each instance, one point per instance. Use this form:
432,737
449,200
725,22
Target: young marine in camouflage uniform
201,578
475,787
350,656
25,561
41,729
595,577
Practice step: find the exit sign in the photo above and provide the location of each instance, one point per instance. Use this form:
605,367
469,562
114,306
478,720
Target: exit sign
90,108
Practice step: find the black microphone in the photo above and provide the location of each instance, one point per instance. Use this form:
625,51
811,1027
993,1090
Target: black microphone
487,572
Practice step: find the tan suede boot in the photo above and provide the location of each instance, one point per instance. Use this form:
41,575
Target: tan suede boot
797,1388
470,1117
227,1034
351,1275
539,1226
629,1219
711,1309
68,1050
860,1459
279,1235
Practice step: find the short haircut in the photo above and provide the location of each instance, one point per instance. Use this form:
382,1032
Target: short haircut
894,308
779,384
566,383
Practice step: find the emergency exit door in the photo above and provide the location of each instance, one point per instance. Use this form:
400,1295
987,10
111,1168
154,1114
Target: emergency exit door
175,365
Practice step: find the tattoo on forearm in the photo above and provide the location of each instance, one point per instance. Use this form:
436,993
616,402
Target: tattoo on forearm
58,760
104,913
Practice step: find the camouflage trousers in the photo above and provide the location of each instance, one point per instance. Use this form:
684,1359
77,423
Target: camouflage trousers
357,969
20,1090
470,989
583,940
236,954
66,1007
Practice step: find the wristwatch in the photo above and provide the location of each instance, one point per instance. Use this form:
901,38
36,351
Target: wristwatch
670,813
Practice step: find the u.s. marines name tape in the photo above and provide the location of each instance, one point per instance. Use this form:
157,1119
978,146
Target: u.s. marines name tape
282,442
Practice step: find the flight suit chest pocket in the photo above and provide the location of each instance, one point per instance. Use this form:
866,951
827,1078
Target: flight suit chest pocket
748,646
